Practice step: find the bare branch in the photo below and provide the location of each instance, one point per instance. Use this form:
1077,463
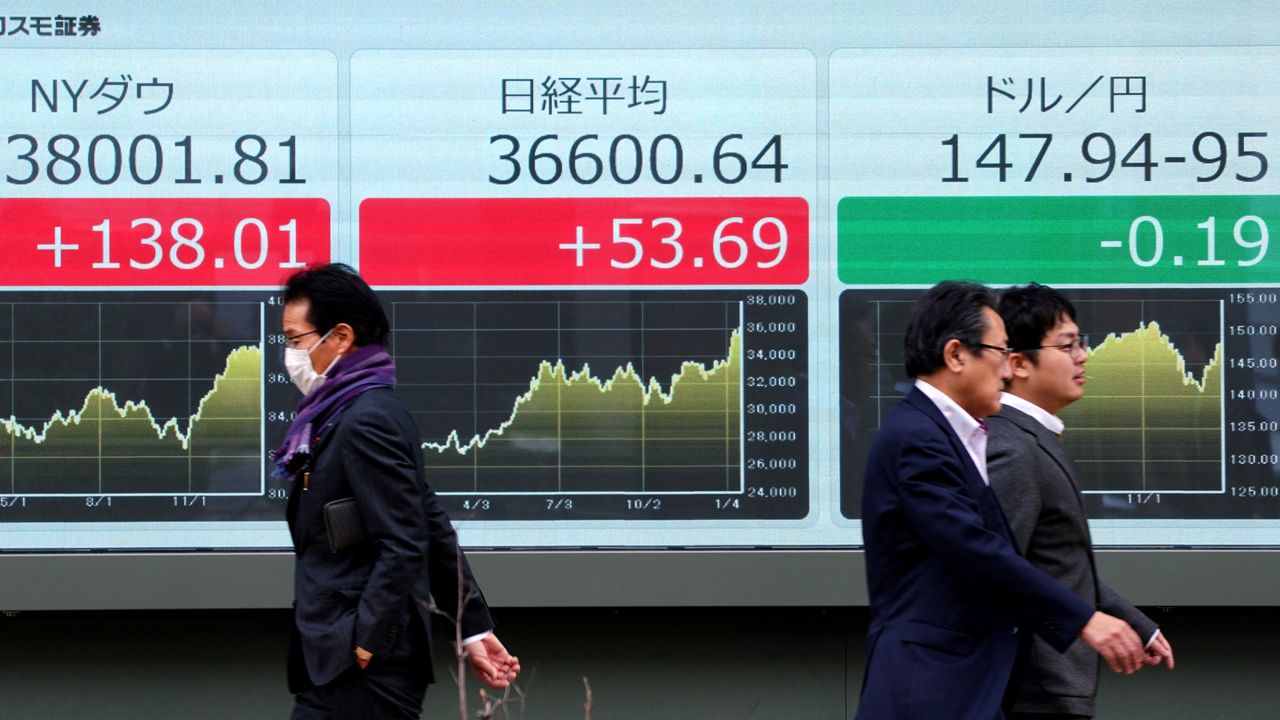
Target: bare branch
489,707
460,652
486,707
522,693
586,706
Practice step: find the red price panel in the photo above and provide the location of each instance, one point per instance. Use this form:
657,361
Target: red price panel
581,241
82,242
128,168
678,168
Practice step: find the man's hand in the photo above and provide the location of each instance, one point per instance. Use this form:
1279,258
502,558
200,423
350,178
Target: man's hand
1160,651
1115,641
363,657
492,663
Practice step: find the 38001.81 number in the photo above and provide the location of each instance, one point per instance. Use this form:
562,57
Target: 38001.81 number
106,159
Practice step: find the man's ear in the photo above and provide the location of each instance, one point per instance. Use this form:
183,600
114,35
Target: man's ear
1021,365
955,355
344,338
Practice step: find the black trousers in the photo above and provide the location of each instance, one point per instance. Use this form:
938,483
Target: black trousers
392,687
362,694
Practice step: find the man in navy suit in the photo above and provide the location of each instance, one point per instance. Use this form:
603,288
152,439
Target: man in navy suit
364,580
949,592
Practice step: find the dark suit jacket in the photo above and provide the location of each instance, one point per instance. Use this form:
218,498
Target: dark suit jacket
372,593
948,589
1035,483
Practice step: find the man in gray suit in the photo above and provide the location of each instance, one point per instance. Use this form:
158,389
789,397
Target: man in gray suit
1035,483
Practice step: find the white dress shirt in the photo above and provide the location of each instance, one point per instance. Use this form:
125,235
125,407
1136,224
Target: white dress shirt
972,432
1051,422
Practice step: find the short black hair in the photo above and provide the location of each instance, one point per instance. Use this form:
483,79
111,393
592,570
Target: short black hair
339,295
950,310
1029,312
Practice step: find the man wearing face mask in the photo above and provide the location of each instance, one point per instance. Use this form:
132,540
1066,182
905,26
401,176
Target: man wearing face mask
368,566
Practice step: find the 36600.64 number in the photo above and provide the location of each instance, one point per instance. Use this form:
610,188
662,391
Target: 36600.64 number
626,159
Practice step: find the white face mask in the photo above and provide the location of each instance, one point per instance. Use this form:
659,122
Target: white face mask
298,362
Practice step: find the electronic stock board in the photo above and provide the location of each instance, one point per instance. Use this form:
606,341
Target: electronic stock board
648,296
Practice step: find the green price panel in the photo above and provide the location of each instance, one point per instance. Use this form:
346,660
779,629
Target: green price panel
1142,240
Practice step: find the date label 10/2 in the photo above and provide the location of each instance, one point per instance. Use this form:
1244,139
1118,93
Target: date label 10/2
162,241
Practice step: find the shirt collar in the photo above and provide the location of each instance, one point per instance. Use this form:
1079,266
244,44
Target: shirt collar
1050,421
962,422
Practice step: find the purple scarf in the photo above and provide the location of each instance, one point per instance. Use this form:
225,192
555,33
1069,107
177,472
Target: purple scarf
367,368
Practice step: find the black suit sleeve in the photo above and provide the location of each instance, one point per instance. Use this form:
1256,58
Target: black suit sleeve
384,480
1110,602
451,574
1014,483
936,499
410,531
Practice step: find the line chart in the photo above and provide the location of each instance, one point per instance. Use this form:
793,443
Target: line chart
131,399
601,402
1176,419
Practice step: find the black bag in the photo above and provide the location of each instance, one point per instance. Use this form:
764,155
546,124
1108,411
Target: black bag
342,524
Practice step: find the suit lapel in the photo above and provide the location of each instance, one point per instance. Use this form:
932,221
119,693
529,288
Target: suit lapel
1053,447
1049,443
922,403
318,441
1044,438
322,436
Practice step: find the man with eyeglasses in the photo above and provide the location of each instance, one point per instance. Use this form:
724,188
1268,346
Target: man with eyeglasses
1035,482
373,545
948,590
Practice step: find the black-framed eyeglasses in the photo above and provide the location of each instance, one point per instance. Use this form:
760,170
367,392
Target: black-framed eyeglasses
1004,351
1078,346
292,340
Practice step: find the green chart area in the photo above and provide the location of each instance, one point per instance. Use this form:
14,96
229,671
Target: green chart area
1147,422
608,405
576,430
1149,437
117,445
